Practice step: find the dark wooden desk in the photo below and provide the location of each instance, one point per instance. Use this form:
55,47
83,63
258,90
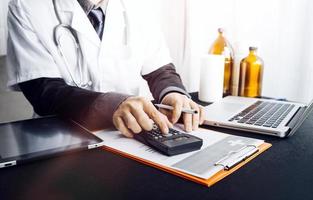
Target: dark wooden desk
284,172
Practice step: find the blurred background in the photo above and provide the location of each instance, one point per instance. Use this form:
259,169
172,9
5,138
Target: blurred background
13,105
281,29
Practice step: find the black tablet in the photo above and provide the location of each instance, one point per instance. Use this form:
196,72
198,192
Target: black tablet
28,140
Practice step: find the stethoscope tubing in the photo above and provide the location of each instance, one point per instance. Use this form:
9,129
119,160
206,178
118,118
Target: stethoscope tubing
80,61
73,35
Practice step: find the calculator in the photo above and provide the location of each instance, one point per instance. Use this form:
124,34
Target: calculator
174,143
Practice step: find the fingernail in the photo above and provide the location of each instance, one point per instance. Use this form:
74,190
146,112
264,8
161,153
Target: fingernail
166,130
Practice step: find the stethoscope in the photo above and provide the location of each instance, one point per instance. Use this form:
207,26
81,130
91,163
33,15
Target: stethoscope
80,63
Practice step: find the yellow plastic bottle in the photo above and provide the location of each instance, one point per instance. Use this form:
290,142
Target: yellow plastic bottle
222,47
251,75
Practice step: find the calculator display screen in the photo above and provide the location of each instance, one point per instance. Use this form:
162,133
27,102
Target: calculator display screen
180,138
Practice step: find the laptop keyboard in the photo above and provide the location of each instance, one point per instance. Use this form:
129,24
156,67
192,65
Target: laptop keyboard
262,113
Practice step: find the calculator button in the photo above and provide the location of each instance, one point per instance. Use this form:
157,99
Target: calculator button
168,135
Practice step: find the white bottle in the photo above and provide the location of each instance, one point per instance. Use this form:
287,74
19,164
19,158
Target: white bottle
240,49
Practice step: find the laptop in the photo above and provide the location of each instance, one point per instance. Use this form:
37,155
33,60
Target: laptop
34,139
265,116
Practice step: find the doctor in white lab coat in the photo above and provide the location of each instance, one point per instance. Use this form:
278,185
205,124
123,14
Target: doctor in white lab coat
92,76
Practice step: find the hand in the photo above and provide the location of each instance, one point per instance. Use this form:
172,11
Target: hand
179,101
136,114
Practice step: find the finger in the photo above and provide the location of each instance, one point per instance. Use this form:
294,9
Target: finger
159,118
195,117
131,122
162,122
120,125
169,124
187,118
166,112
201,112
178,106
143,119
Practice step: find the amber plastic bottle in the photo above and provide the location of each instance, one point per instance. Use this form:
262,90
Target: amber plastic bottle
251,75
222,47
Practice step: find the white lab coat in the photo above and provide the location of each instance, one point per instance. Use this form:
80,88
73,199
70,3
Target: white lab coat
110,64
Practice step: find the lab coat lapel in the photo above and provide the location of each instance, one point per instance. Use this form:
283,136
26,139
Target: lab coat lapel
73,15
114,28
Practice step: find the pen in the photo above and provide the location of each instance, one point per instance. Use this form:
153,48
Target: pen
185,110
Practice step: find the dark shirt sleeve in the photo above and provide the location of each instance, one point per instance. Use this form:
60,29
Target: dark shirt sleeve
163,81
94,110
52,96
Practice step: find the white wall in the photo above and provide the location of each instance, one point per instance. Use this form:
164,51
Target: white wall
282,29
173,19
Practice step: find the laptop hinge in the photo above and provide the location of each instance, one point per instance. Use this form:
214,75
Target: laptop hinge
295,119
8,164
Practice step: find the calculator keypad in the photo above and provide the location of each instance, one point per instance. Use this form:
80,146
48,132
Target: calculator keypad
173,143
156,133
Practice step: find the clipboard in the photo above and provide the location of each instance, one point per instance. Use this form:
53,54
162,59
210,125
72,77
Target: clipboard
232,162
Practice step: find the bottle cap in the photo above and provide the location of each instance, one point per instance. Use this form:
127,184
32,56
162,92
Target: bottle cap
253,48
220,30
